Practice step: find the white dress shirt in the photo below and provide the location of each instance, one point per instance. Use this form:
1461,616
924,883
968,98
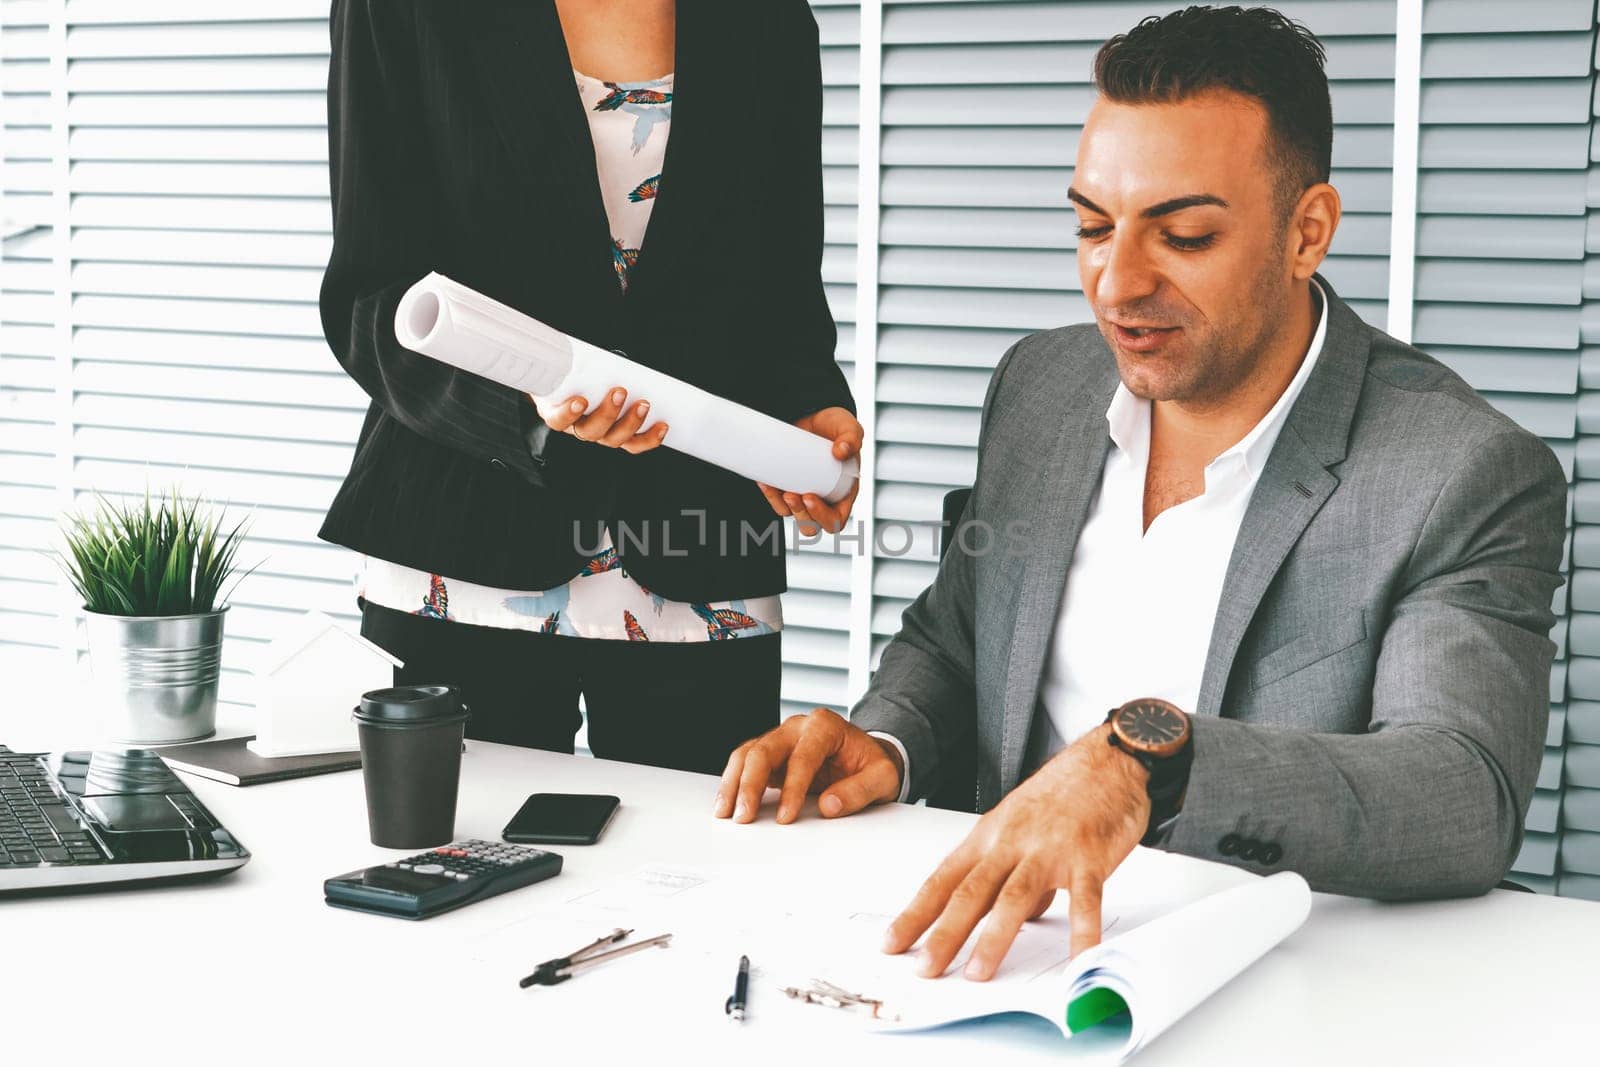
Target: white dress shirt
1138,606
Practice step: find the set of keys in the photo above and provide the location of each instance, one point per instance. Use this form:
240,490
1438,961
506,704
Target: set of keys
831,996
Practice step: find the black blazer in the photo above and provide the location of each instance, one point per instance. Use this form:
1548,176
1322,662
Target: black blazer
458,143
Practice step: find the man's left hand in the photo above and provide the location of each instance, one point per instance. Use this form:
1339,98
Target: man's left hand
808,509
1067,827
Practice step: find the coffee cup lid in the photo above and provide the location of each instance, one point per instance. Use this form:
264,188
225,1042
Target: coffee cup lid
411,704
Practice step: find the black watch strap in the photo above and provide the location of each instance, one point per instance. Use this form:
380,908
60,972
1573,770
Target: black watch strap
1166,786
1169,781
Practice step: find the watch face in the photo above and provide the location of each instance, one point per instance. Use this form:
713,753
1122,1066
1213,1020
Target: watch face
1154,726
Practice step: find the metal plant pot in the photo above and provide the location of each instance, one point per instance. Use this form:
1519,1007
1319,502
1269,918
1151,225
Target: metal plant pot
156,676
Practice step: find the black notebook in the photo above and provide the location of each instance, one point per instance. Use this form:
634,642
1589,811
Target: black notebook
231,762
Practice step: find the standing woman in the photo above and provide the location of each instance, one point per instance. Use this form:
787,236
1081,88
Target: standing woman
645,176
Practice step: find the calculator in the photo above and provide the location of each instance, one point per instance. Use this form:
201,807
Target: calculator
441,879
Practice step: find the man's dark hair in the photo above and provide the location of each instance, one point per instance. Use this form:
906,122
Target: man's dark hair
1257,52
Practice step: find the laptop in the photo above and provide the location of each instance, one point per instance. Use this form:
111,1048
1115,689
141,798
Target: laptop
84,820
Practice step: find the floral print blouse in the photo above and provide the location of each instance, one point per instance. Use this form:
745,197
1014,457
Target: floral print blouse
629,124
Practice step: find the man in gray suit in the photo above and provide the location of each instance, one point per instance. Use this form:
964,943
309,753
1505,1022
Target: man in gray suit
1306,566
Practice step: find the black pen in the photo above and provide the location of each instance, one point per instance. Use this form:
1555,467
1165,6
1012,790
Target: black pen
741,989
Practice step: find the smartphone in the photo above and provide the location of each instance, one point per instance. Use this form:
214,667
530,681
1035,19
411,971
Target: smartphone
561,819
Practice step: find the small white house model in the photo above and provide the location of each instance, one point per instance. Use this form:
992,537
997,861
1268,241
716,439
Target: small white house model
307,683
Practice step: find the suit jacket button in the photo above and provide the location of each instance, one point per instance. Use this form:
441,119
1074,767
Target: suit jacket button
1229,845
1271,853
1249,849
498,464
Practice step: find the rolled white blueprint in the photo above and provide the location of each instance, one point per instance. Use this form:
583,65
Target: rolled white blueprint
447,321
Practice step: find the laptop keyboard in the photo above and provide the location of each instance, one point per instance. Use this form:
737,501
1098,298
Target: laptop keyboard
36,825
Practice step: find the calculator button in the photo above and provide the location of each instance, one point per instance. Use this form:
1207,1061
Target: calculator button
403,866
428,868
461,877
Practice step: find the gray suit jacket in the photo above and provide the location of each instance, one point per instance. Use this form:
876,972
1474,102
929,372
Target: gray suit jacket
1375,694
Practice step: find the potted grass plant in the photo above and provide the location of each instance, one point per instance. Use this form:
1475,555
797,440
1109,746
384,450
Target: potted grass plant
151,575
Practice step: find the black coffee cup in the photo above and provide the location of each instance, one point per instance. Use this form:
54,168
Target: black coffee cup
411,763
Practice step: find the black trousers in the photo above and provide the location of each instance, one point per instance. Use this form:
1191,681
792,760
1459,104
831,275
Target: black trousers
684,705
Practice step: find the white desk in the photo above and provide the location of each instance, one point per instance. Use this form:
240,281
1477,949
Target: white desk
255,967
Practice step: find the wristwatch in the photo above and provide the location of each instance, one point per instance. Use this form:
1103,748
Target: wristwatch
1157,734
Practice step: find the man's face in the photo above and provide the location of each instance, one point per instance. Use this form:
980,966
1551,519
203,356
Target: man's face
1182,250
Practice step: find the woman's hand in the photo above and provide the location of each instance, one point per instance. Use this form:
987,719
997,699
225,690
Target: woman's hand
606,425
811,510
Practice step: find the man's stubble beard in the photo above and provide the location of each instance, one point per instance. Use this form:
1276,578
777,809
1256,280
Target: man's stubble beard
1222,360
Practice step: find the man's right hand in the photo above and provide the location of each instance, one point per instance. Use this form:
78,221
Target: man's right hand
816,752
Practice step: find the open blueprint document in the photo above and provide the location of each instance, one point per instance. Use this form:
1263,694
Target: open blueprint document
1114,998
1164,952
